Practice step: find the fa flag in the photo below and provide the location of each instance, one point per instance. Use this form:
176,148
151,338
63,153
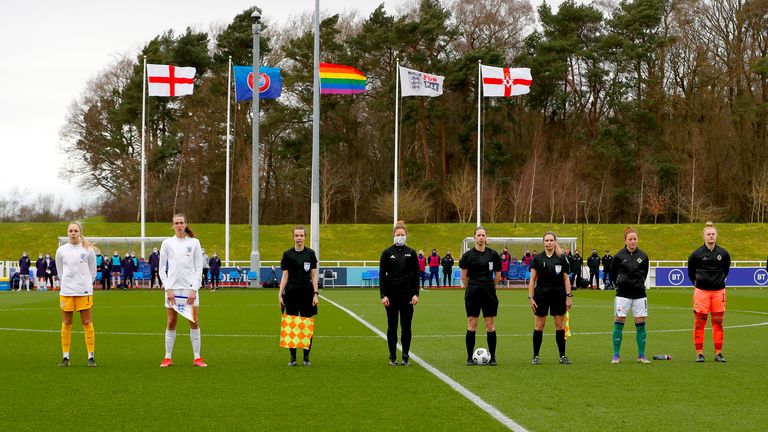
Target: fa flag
270,83
505,82
415,83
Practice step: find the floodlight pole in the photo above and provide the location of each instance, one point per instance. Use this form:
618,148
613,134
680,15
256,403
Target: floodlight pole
583,205
314,211
255,256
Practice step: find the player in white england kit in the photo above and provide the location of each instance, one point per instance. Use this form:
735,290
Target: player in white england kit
181,263
77,263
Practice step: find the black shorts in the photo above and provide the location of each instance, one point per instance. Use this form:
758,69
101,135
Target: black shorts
483,299
549,301
299,307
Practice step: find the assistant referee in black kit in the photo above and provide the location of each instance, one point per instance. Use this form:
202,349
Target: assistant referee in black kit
298,286
399,290
480,272
549,291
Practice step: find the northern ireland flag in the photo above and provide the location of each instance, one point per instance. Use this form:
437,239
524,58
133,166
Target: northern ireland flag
169,80
505,82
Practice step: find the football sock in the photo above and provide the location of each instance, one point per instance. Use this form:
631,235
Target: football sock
66,338
293,353
307,350
560,339
717,331
642,337
194,336
492,343
170,339
538,336
618,327
90,337
470,339
699,323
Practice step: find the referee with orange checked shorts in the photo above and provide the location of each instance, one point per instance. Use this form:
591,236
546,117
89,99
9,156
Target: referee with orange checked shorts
708,267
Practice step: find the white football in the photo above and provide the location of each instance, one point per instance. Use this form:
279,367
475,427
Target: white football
481,356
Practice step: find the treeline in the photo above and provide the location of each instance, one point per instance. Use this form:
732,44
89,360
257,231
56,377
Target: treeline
23,206
641,111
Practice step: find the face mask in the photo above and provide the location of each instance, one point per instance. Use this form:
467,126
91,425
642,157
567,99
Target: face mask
400,240
48,256
39,256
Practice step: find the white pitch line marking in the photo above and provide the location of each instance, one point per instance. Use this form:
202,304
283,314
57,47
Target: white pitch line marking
475,399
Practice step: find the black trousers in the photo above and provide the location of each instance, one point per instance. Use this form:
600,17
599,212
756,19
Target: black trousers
205,277
399,307
155,278
447,280
215,279
594,275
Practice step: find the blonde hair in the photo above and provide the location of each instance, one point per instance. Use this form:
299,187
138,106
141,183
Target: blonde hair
708,225
86,244
187,229
400,225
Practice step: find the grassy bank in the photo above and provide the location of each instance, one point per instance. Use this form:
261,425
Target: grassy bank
365,241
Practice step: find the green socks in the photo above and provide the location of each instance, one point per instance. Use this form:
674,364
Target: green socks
641,339
618,327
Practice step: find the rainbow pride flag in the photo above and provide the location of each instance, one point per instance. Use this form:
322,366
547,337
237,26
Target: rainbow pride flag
340,79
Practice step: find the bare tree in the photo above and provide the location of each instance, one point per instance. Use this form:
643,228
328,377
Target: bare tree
333,185
460,193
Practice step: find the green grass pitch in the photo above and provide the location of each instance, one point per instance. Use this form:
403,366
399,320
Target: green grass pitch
248,386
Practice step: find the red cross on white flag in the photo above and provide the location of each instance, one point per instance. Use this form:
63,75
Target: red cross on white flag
505,82
169,80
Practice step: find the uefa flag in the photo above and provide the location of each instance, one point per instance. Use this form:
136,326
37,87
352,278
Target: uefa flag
270,83
296,331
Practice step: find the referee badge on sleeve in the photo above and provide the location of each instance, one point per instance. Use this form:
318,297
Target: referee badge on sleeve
306,266
490,265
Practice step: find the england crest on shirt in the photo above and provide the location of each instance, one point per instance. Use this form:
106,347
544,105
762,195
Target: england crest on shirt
306,266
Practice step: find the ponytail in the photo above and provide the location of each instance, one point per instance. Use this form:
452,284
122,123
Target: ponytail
86,244
187,229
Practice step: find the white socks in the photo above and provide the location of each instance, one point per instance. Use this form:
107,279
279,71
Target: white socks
194,336
170,339
66,354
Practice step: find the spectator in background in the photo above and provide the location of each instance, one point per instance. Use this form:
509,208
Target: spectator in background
593,262
128,270
40,271
154,269
115,268
24,264
505,259
51,273
105,266
99,265
215,266
206,268
422,268
578,262
434,268
607,261
527,258
447,263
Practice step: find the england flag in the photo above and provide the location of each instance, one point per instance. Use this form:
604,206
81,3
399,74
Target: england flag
505,82
169,80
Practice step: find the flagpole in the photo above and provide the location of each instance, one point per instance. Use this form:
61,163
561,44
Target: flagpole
255,159
226,188
479,102
143,156
314,217
397,124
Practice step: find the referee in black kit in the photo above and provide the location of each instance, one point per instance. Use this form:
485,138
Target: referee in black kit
399,290
549,291
298,286
480,272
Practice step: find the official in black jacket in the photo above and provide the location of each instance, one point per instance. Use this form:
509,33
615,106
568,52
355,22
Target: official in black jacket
480,273
447,264
630,269
549,292
593,262
708,267
298,294
608,277
399,291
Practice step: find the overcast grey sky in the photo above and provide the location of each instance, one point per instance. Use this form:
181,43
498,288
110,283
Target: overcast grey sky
51,49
